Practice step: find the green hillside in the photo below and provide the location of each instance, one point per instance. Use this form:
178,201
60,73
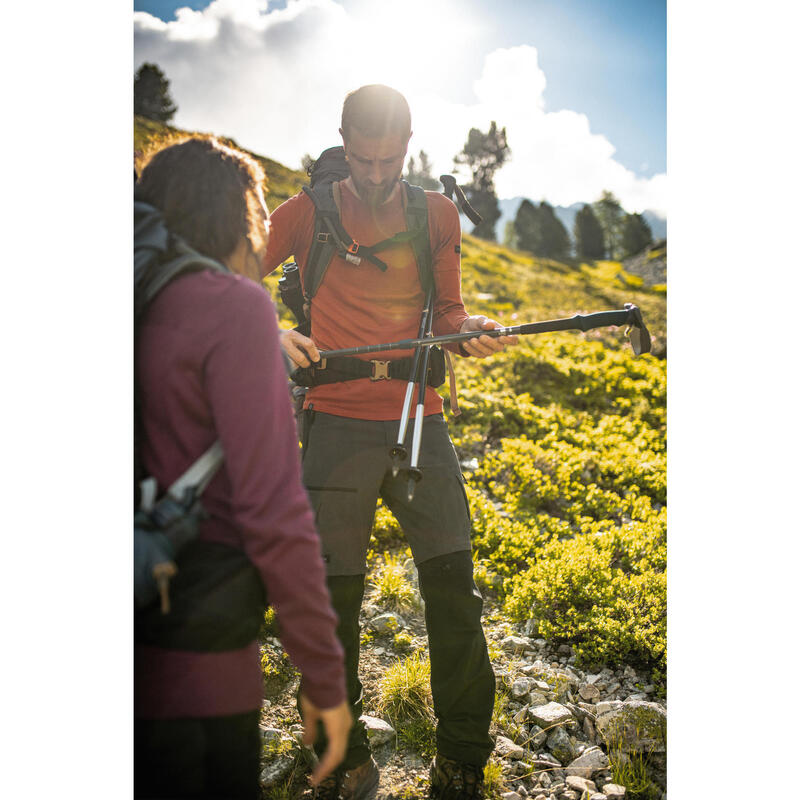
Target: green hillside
149,136
563,445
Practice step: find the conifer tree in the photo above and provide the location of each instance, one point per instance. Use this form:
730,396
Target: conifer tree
484,154
555,239
526,226
151,96
610,215
589,239
420,173
540,231
636,235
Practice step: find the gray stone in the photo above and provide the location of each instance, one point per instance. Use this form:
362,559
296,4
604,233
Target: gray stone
597,796
369,610
613,791
586,764
515,644
589,692
379,731
276,770
537,698
605,706
521,715
387,623
634,727
550,714
269,735
505,748
588,729
538,736
560,745
520,687
580,784
542,686
570,795
511,796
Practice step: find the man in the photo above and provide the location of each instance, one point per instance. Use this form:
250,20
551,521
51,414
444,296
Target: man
351,425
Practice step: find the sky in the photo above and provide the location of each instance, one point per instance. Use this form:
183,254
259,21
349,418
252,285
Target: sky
579,85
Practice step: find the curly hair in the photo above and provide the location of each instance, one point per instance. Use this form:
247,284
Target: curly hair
209,194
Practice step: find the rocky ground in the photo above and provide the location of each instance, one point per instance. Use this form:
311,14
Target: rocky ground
650,265
562,733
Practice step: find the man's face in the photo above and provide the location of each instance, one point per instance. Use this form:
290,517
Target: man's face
375,164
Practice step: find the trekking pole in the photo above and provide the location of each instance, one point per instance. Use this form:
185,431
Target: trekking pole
399,452
414,473
629,315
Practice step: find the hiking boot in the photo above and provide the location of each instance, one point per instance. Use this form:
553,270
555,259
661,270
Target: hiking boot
359,783
453,780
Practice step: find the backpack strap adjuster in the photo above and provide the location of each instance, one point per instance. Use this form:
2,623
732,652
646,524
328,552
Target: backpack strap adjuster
323,237
380,370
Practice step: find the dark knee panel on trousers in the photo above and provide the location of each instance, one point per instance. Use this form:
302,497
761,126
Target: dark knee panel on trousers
462,681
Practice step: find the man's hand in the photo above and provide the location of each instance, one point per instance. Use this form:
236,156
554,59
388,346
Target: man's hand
300,349
483,346
337,722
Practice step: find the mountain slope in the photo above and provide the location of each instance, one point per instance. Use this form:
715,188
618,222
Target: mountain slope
562,442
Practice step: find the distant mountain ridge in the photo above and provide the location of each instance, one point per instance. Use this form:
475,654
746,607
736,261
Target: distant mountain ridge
509,206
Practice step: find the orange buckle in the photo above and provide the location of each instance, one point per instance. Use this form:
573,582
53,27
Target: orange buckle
380,370
353,249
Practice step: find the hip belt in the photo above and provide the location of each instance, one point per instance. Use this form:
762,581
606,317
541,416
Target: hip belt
343,368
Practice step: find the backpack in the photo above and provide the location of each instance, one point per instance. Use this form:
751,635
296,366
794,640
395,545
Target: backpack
211,595
330,236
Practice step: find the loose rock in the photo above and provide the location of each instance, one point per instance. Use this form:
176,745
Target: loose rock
633,727
505,748
580,784
387,623
550,714
379,732
586,764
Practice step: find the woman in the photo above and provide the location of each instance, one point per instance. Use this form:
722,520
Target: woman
208,367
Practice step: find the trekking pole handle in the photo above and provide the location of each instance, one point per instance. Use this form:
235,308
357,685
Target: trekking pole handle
581,322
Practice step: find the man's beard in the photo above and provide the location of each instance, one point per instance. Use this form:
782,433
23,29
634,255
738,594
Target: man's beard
373,195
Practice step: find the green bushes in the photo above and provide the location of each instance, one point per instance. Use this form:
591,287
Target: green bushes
568,498
603,592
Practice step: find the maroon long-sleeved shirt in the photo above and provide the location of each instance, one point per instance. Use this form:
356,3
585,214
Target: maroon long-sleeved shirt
209,366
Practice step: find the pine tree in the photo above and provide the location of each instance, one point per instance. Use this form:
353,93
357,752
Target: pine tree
484,154
540,231
420,174
526,226
151,96
589,239
610,215
636,235
555,239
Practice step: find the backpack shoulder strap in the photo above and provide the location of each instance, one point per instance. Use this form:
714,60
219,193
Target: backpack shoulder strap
160,256
323,244
417,222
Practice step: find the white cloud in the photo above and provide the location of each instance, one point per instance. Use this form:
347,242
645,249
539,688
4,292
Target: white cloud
274,80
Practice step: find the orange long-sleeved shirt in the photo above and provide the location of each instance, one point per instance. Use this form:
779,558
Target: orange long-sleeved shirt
360,305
